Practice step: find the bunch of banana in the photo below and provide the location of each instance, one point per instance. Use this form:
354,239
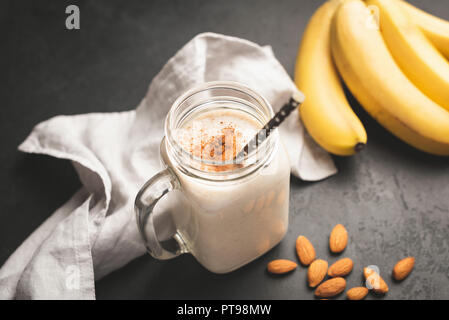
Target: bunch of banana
397,74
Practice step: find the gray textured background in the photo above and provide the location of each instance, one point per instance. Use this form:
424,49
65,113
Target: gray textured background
393,200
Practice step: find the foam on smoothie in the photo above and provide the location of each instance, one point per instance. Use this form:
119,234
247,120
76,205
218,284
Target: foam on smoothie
217,136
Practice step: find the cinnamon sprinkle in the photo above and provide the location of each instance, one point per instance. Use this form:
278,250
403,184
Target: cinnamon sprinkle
221,147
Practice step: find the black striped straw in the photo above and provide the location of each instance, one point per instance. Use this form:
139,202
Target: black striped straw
278,118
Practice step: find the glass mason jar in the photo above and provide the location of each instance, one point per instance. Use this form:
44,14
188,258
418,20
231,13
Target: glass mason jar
225,218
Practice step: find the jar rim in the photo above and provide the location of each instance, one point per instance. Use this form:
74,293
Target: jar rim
255,159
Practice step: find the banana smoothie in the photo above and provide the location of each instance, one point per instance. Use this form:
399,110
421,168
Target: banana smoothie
230,222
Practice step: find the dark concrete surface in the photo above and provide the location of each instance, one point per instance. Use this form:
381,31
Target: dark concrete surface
393,200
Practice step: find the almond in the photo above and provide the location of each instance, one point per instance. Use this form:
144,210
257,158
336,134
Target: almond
281,266
340,268
403,268
331,287
317,272
305,250
357,293
338,238
377,284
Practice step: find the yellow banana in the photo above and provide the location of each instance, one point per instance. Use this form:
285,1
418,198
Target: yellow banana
371,74
436,29
418,58
325,112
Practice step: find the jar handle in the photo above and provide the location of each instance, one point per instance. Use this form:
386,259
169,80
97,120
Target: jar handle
147,198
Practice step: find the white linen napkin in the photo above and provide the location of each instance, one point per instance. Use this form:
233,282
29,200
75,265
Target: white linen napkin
114,154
